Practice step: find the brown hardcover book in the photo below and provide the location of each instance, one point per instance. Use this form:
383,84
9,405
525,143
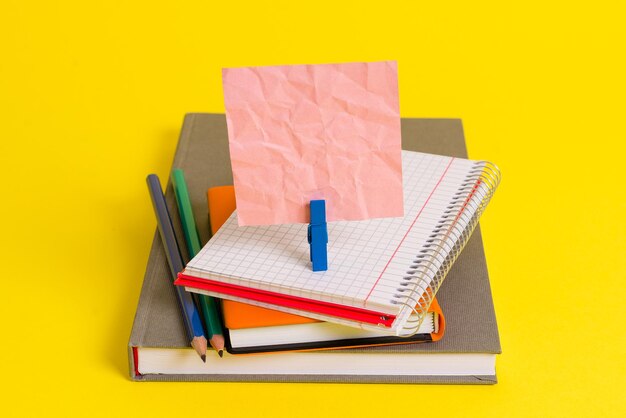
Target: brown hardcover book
158,349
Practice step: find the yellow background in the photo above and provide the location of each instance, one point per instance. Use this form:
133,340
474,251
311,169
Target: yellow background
92,96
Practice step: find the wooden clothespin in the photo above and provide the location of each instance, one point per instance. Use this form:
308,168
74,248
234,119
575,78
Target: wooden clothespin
318,235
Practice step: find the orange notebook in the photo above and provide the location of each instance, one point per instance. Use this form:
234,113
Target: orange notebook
255,329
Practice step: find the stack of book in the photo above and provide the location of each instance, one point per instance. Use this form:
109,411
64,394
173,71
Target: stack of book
352,347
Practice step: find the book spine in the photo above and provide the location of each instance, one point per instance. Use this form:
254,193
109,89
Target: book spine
425,275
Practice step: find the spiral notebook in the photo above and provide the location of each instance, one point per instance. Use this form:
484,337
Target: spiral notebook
381,272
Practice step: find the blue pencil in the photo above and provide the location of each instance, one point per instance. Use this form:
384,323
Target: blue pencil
191,316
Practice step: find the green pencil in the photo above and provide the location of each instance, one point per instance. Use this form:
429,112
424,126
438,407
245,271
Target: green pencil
208,305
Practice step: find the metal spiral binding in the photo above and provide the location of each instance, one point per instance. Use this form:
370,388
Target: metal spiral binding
418,288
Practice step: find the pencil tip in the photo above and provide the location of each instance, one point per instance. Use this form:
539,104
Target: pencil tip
221,353
203,357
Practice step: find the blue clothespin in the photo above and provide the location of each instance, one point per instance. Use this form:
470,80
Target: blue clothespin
318,235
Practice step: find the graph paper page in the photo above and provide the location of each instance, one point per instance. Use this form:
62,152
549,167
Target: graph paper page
366,259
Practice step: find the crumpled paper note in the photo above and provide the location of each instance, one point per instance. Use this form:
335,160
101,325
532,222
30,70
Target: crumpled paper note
304,132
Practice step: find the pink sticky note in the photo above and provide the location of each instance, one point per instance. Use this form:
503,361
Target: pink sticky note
304,132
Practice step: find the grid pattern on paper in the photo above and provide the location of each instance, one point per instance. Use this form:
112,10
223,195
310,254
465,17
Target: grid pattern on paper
366,259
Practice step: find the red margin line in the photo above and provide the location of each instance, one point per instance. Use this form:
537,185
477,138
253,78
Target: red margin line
411,227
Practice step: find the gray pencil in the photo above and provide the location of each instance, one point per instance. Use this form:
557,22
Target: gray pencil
191,316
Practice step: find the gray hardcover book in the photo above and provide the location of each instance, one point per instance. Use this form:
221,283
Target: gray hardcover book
465,295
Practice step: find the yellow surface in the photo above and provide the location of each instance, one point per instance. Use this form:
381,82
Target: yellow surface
92,95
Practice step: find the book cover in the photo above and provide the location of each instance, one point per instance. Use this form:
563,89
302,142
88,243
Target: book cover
465,296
